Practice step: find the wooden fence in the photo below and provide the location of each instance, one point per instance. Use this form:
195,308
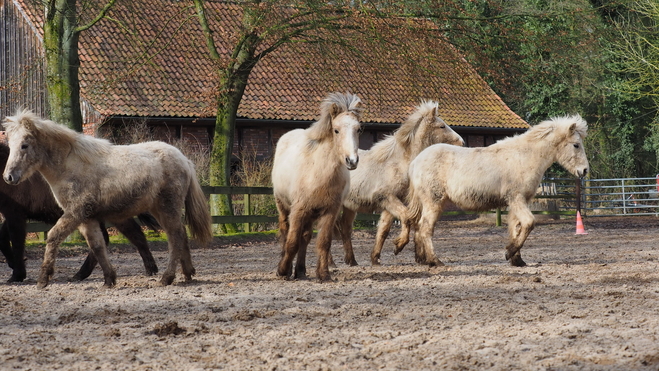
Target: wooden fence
248,218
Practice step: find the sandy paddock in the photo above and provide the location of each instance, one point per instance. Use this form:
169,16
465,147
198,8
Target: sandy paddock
584,302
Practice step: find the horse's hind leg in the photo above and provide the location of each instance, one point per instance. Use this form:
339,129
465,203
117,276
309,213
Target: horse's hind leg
520,223
384,226
93,233
135,235
179,250
345,225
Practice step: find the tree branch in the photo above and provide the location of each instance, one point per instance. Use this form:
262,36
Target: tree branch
99,16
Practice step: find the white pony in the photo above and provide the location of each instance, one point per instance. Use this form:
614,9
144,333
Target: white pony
506,173
310,180
380,182
94,181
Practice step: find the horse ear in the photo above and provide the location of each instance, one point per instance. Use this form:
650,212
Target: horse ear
573,127
334,110
357,108
27,123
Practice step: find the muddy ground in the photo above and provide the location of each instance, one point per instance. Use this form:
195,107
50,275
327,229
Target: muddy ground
584,302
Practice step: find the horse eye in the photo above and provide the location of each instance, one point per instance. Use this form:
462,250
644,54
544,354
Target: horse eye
576,145
336,131
24,146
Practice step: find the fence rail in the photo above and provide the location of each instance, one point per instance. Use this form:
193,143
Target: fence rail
599,197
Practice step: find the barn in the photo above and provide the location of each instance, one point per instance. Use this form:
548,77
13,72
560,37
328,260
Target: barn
153,69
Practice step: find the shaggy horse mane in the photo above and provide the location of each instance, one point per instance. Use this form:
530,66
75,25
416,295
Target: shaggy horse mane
333,105
86,147
559,124
405,134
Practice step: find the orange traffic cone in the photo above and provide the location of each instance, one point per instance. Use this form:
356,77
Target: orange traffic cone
580,229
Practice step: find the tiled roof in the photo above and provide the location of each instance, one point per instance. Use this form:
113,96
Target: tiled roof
166,71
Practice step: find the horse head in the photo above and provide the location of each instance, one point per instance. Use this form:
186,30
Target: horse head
433,129
339,121
424,128
24,155
570,132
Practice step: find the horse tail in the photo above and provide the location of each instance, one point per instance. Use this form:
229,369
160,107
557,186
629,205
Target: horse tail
197,213
414,205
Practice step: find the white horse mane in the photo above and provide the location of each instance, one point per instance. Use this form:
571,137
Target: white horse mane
333,105
86,147
404,135
554,125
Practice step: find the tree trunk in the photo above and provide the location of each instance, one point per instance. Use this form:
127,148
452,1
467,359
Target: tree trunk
62,63
234,84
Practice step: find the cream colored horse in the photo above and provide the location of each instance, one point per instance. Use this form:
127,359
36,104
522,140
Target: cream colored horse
93,180
310,180
506,173
380,182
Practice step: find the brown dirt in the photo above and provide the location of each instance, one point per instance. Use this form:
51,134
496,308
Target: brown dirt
584,302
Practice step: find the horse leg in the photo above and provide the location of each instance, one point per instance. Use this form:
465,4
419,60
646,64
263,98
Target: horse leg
16,234
90,262
5,244
323,244
394,208
384,226
135,235
424,250
283,223
301,261
177,244
62,229
345,225
93,233
520,223
291,243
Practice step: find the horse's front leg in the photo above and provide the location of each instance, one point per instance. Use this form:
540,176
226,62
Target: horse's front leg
424,250
520,224
384,226
62,229
92,232
323,244
15,229
301,262
346,220
291,242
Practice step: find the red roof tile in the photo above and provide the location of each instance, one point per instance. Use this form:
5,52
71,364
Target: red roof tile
166,71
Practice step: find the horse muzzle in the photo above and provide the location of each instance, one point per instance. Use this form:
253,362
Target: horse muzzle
11,178
351,163
582,173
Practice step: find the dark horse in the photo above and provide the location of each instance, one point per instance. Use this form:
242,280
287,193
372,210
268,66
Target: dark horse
34,200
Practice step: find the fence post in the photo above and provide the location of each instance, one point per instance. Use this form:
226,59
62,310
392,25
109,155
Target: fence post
624,197
498,223
247,206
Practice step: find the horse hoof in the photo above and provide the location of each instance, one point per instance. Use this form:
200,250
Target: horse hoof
352,263
16,278
436,263
151,270
324,278
76,278
167,280
42,285
516,261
